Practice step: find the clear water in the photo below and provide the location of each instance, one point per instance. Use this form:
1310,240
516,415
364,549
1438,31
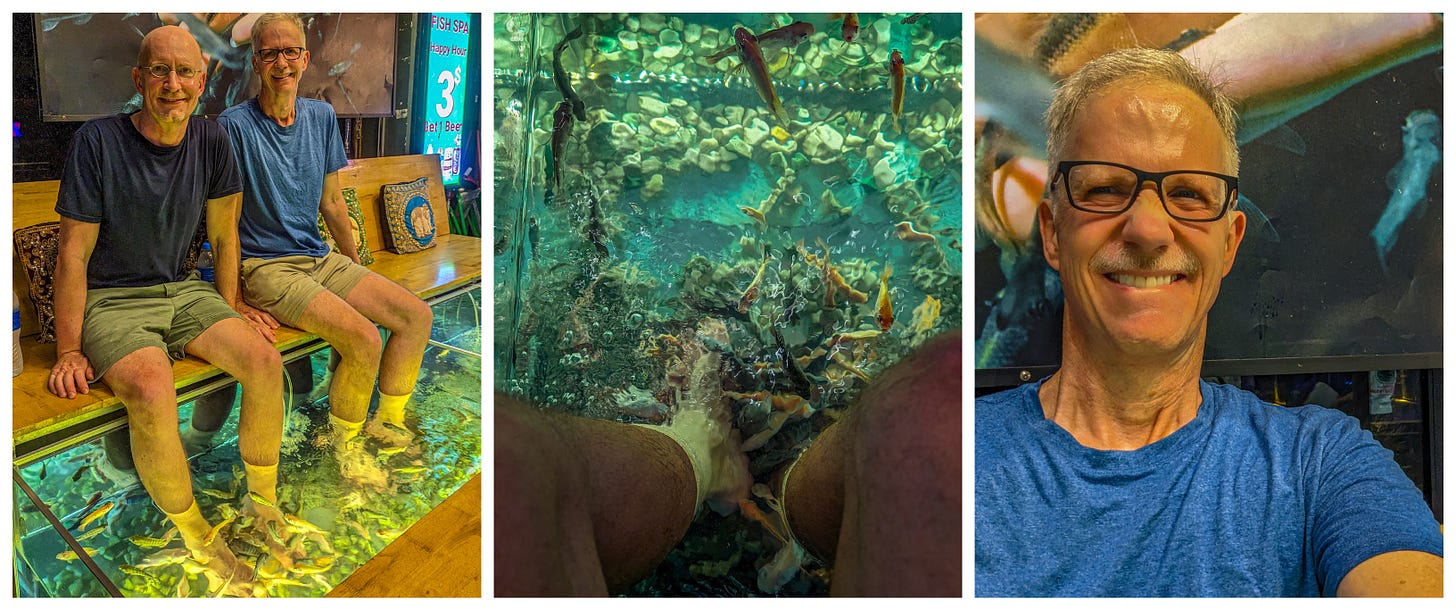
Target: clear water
445,413
671,149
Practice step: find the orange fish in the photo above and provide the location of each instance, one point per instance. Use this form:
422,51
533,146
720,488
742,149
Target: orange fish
756,215
752,56
751,293
906,231
849,28
884,314
897,87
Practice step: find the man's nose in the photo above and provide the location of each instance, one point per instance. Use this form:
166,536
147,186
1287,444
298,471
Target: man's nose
1148,223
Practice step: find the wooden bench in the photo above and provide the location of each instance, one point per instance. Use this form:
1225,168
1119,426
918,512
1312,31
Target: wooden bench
454,262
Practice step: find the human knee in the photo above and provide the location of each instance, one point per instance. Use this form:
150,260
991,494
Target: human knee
150,400
260,363
917,402
418,319
360,341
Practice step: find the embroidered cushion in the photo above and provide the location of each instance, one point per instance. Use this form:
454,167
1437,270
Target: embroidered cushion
356,221
409,222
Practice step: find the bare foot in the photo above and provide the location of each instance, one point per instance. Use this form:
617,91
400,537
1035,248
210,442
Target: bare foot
225,574
360,468
703,423
269,525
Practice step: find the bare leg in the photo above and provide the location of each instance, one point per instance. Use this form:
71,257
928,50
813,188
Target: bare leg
408,319
143,382
879,493
357,342
583,506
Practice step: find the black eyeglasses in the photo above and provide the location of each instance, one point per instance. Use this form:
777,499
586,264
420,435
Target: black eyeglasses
1110,188
271,55
160,71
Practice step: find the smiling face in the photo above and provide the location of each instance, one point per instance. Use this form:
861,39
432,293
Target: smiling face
168,102
1141,282
280,76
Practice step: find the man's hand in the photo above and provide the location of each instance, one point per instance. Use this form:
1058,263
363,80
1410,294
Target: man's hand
69,375
261,320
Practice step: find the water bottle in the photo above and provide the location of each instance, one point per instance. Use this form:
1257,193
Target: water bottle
204,263
18,364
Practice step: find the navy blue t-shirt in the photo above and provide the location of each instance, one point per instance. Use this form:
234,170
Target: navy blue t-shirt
148,199
1248,499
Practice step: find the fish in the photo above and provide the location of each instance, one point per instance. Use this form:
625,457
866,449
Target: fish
50,23
70,555
884,314
756,215
217,529
257,497
913,18
388,533
1409,178
906,231
301,524
165,557
596,226
79,471
849,27
341,67
858,335
388,451
43,470
147,542
897,88
138,572
786,37
563,80
752,56
561,124
216,493
751,293
923,317
410,469
94,515
91,534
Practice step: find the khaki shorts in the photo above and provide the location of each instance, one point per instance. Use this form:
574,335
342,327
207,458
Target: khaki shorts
284,286
119,321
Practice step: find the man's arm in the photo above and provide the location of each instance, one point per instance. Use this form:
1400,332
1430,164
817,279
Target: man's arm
336,217
1395,574
73,254
223,215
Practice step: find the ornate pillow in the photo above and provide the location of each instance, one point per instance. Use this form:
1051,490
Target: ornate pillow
409,222
35,252
356,221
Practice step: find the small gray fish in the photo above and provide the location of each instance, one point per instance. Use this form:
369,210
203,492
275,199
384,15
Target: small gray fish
1409,177
341,67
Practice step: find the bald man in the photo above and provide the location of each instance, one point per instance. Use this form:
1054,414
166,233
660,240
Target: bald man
131,198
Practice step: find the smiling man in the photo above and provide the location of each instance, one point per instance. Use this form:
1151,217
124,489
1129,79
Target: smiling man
132,196
290,152
1123,474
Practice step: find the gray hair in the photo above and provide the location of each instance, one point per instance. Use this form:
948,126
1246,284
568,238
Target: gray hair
271,18
1137,65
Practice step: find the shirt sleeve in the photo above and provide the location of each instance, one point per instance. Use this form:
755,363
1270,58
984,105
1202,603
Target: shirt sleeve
1363,505
224,178
80,197
335,158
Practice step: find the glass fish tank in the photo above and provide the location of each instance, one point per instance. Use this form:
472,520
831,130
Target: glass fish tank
123,545
796,177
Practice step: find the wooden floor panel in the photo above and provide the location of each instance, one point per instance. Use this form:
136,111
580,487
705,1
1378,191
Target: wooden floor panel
438,557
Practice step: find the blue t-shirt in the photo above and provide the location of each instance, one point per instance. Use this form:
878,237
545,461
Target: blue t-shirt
1248,499
283,175
148,199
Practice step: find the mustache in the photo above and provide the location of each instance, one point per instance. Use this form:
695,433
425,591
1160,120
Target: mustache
1120,258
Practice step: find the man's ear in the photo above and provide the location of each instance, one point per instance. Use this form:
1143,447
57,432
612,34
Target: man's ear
1233,239
1048,228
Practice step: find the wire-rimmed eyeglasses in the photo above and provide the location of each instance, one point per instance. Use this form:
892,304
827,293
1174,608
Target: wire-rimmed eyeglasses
160,71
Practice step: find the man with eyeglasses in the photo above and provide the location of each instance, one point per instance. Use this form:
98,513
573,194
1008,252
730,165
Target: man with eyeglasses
132,196
290,152
1122,474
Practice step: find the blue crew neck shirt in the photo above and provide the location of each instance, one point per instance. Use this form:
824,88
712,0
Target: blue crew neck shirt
283,175
1248,499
